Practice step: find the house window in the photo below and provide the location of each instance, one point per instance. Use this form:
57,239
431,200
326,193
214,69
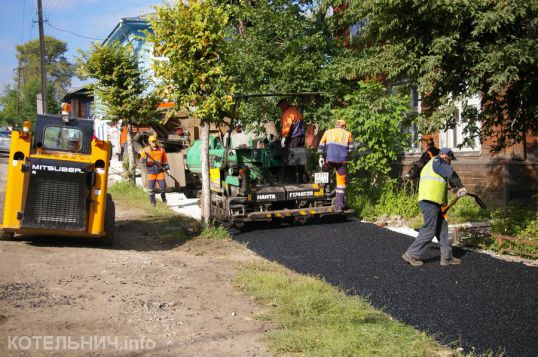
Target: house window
83,110
454,138
412,128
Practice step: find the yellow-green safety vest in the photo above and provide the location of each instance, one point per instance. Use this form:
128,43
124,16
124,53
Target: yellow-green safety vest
432,186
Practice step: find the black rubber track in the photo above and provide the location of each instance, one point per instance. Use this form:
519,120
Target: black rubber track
485,304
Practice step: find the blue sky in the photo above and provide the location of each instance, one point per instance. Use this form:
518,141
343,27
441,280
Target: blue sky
89,18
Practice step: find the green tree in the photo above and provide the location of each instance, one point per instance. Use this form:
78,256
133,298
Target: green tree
285,46
59,70
120,86
20,106
453,50
375,118
19,99
193,38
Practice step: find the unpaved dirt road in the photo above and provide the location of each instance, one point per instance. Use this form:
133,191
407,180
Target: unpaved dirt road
146,296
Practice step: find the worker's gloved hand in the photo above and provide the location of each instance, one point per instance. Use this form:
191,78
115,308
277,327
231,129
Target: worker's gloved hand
462,192
321,161
149,162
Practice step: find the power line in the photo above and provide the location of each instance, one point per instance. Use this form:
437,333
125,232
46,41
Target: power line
82,3
73,33
23,17
31,21
49,5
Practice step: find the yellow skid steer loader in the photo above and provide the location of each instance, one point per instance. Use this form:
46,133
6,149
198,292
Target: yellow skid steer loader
57,181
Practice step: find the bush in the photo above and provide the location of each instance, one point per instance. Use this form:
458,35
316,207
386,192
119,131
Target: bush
385,199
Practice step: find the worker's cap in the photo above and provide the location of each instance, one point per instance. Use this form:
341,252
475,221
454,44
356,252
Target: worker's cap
448,152
341,122
426,138
152,138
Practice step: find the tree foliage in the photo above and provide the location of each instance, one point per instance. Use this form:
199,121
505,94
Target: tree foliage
59,70
27,103
374,117
454,50
193,40
119,84
281,47
120,89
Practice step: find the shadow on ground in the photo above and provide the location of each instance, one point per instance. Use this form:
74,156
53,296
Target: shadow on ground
130,234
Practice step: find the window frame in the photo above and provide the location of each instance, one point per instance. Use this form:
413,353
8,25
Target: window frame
451,138
81,145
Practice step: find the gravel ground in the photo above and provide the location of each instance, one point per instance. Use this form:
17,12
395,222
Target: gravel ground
484,304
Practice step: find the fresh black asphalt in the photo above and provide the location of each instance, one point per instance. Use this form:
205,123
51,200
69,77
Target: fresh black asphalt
484,304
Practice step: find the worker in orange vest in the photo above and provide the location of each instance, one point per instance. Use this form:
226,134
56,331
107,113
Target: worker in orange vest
335,147
292,125
154,159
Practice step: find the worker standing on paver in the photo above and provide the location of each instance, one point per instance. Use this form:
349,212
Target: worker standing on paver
432,196
429,152
154,159
335,147
292,125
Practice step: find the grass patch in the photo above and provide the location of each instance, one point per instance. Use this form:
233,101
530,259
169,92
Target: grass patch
515,232
215,231
316,319
136,198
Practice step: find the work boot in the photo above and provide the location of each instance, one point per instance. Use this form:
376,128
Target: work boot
412,260
163,197
152,200
338,210
451,261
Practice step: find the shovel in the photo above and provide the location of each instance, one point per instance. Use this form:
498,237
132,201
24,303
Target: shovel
477,199
162,168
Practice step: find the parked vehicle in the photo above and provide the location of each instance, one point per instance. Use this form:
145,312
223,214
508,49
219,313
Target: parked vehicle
5,141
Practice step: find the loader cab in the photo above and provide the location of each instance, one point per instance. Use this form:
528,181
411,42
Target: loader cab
55,135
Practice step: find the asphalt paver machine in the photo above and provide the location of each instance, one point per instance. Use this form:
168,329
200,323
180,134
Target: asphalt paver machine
259,180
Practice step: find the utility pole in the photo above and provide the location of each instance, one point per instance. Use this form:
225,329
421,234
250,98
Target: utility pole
42,55
19,91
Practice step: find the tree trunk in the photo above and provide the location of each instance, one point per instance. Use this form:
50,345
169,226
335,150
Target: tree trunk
206,195
131,173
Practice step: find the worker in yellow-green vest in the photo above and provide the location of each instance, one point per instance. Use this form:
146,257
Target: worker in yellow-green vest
432,195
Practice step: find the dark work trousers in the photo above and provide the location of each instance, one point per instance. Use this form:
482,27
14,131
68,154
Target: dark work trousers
341,179
152,190
434,225
294,173
295,142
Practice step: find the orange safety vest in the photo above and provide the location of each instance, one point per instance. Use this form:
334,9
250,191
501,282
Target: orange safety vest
289,116
150,155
